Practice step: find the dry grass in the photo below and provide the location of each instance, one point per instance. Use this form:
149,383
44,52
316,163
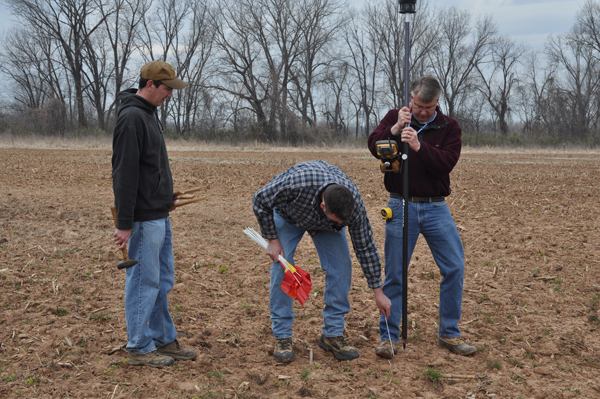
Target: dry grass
105,143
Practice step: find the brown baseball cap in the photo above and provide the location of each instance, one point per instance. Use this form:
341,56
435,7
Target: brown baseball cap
160,70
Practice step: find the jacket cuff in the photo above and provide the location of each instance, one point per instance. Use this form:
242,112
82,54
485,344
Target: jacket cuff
125,224
389,132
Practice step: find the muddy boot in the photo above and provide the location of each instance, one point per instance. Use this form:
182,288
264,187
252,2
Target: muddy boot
176,352
387,349
150,359
283,350
457,346
339,347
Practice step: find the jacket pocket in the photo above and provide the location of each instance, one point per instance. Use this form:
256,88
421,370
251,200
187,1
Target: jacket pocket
157,189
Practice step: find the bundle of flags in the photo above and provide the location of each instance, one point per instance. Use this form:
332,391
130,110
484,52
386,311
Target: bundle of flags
296,282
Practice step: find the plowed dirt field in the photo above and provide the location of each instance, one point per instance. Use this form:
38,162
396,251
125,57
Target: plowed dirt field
529,223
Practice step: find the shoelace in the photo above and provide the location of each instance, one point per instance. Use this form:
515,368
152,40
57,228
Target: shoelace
341,342
285,345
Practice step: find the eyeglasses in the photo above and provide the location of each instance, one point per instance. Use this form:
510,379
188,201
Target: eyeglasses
417,107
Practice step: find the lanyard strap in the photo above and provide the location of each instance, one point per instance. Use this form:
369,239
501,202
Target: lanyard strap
426,123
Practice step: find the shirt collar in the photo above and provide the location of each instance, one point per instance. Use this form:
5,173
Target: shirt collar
426,123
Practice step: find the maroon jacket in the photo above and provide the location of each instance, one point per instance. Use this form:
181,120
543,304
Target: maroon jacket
429,169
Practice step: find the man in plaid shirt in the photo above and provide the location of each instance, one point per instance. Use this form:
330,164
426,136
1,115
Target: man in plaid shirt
317,198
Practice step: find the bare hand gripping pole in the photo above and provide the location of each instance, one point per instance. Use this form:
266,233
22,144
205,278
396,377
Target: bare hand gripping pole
407,7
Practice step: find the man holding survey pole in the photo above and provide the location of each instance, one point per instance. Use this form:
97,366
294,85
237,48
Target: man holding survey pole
317,198
434,142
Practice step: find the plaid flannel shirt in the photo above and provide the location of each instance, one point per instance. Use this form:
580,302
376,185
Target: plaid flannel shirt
296,195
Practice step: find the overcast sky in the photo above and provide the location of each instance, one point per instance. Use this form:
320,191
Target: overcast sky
528,21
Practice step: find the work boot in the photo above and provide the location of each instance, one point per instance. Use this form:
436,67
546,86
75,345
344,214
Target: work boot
176,352
283,350
151,359
457,346
387,349
339,347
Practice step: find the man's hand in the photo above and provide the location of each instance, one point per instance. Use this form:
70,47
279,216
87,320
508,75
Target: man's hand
121,237
409,135
382,302
274,249
403,118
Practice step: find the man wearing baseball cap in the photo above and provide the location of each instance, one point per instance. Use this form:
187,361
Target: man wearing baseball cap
160,71
143,189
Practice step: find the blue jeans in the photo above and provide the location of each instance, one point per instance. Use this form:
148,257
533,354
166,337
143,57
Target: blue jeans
434,221
334,255
149,324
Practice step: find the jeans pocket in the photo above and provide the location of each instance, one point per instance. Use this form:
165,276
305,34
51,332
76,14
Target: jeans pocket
397,207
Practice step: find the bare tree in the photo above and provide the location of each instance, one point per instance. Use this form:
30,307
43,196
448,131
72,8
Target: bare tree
454,58
122,22
475,120
28,60
335,80
161,33
384,24
318,22
276,28
97,74
497,85
579,81
364,59
69,22
24,64
533,94
191,58
586,30
240,63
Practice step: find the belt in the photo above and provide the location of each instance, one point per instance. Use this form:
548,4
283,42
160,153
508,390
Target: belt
418,199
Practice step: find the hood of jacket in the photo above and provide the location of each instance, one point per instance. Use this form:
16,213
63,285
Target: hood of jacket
129,98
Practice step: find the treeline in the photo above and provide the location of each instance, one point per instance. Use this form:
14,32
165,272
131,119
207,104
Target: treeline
294,72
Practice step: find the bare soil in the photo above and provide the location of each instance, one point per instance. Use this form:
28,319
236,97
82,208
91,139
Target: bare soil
529,223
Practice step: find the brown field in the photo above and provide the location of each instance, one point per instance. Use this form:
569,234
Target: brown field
529,222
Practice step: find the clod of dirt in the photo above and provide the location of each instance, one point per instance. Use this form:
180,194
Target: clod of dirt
304,392
268,348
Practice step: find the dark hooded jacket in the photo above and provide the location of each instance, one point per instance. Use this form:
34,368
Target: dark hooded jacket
141,174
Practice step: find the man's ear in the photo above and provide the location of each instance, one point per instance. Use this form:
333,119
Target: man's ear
323,206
